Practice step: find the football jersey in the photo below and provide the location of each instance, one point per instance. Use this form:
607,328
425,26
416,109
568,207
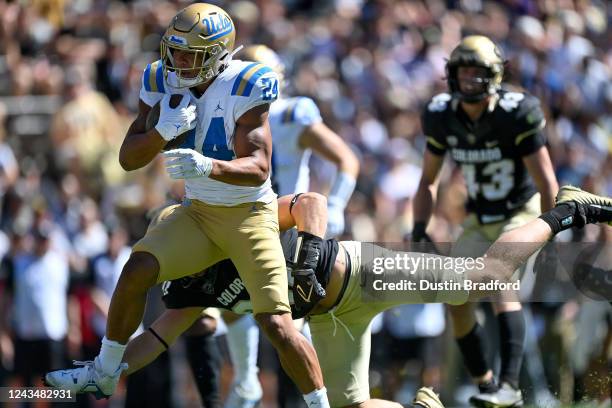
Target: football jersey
288,119
220,285
490,150
240,87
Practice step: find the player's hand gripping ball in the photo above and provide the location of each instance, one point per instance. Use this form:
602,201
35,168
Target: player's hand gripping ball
173,117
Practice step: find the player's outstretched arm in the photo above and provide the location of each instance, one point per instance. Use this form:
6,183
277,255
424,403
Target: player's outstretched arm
502,258
307,212
145,348
575,208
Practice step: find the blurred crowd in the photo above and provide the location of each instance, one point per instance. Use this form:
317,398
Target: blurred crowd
70,74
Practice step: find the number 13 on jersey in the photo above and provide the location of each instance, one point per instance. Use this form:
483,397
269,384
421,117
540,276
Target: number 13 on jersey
500,175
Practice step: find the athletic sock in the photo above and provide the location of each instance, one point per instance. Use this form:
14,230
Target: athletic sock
317,398
111,354
512,345
472,347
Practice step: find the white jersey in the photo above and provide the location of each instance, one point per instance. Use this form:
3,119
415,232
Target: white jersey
288,119
240,87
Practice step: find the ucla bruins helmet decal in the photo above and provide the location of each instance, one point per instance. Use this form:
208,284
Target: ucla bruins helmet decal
476,51
205,30
265,55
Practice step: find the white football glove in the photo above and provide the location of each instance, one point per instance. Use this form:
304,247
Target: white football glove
173,122
335,220
187,164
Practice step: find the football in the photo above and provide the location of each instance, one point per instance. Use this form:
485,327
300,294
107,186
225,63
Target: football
153,117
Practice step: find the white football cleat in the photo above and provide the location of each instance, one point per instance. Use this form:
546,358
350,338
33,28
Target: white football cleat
86,378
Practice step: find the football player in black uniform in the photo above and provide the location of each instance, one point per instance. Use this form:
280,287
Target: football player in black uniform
328,284
495,137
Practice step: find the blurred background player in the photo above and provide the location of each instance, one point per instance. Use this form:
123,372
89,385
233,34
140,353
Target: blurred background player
495,137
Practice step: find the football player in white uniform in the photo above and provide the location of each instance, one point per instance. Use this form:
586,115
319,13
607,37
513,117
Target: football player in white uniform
230,209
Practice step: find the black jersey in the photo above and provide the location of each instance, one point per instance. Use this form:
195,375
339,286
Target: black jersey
489,151
220,285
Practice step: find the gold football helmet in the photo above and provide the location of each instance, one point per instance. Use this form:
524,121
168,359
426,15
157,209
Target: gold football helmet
476,51
205,30
265,55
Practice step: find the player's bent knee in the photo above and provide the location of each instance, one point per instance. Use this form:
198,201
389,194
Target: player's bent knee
141,270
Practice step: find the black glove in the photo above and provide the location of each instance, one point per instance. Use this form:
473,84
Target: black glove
419,234
307,291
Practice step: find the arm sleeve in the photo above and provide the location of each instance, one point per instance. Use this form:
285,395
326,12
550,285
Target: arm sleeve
529,123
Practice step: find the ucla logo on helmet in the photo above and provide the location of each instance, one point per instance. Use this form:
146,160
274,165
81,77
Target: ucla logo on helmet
177,40
217,24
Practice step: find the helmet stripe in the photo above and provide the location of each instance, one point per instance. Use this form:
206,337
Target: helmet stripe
240,76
